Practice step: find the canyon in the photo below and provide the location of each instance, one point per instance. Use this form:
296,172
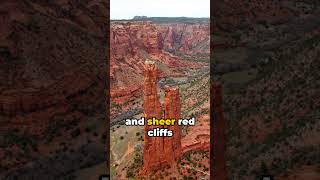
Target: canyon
135,41
53,58
152,61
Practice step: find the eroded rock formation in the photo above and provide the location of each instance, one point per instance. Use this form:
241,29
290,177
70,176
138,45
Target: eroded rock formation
172,110
133,42
153,158
160,152
186,38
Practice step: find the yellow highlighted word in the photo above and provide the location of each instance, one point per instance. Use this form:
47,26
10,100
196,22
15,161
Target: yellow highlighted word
162,122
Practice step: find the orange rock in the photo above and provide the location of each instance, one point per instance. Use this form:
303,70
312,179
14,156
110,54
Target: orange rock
189,37
160,152
132,42
152,146
172,110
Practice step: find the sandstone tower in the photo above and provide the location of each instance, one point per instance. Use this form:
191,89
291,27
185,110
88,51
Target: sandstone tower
219,142
172,109
160,152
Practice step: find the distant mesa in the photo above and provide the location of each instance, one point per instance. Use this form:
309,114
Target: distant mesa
139,17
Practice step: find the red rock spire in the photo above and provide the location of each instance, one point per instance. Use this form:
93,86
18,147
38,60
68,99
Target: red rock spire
159,152
152,108
172,110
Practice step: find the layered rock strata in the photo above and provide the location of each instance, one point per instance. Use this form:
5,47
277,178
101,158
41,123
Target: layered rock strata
186,38
133,42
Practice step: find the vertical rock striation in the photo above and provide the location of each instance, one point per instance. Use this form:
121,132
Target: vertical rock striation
160,152
172,110
153,146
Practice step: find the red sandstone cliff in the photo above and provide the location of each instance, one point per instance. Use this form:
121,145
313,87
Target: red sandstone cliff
134,42
160,152
187,38
153,158
172,110
130,44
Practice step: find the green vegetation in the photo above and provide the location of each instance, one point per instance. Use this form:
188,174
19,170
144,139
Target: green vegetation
135,165
116,106
190,162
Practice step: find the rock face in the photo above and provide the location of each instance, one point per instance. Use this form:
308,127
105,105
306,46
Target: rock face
198,137
153,157
135,41
219,143
131,43
186,38
172,110
159,152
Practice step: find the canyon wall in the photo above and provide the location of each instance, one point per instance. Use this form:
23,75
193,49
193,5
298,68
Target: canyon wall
133,42
186,38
